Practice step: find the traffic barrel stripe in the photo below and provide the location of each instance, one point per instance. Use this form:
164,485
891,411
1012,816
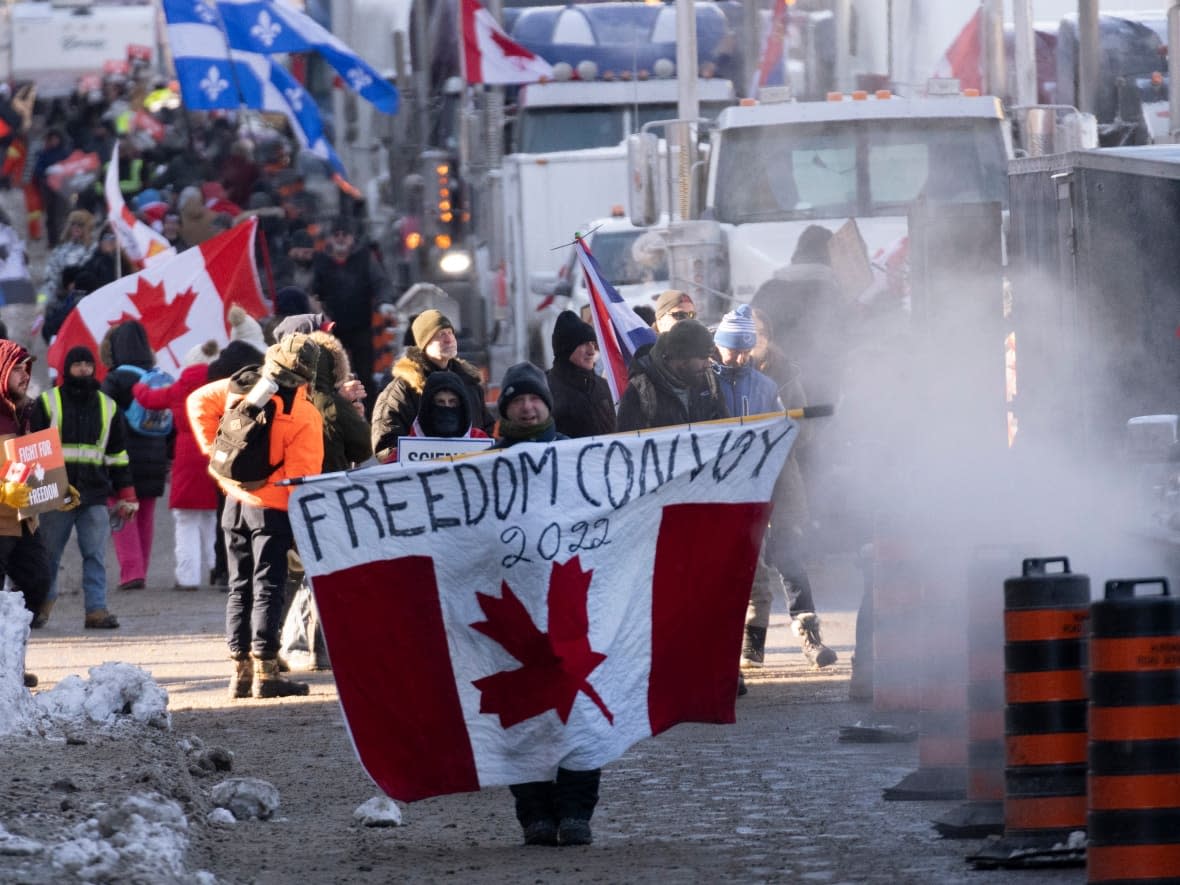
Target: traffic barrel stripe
1121,863
1134,792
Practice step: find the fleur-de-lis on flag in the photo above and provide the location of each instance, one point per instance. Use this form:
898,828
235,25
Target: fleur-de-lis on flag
294,99
358,78
266,29
213,83
205,11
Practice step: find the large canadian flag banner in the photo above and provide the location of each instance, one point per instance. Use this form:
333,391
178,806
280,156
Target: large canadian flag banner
182,302
494,616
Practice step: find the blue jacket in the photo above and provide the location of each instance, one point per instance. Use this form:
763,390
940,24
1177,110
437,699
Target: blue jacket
747,391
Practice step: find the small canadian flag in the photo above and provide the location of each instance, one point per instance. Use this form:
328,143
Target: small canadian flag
489,56
141,244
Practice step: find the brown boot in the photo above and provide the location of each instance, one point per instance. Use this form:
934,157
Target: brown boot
100,620
269,682
243,678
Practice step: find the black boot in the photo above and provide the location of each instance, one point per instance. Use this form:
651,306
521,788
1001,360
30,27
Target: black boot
754,648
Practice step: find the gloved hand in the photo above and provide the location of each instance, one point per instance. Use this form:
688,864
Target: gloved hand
14,495
127,508
387,310
72,502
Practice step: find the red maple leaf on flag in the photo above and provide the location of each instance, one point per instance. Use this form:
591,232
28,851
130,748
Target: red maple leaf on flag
510,48
164,320
554,665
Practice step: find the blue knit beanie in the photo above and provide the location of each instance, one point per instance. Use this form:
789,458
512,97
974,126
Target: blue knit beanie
737,330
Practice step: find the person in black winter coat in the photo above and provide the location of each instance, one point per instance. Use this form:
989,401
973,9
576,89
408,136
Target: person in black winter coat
582,403
436,349
127,345
350,283
92,435
672,383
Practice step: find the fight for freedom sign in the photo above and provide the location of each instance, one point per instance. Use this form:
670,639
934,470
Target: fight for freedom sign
493,617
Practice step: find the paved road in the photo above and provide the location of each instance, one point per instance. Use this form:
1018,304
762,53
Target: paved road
773,798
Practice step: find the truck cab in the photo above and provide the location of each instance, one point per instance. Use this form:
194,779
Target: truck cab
775,169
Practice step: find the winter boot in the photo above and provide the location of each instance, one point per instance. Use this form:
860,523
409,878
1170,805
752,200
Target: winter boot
243,678
574,831
806,627
754,648
269,683
741,689
42,617
30,679
540,832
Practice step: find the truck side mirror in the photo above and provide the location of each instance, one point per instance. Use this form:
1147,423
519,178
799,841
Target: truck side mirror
643,154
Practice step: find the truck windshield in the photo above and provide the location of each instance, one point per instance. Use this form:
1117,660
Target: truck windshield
857,168
612,251
544,130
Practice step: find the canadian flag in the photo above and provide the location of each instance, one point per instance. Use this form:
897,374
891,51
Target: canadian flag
489,56
182,302
493,617
964,56
138,241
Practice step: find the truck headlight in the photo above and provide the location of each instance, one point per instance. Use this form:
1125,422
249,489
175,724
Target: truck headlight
454,262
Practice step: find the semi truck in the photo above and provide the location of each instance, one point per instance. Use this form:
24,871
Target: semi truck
55,44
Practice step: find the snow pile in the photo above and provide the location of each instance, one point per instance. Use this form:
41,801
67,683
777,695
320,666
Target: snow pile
380,811
245,798
113,691
17,712
144,838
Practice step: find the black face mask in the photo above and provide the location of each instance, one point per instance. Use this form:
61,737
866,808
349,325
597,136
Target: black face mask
448,420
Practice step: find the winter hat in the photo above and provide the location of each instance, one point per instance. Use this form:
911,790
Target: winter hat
669,300
429,323
243,327
77,354
569,333
293,360
291,300
202,354
688,339
737,330
521,379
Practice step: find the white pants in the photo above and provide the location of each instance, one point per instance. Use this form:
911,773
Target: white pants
195,536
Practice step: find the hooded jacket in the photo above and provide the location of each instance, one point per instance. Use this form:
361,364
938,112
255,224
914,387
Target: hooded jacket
397,405
15,420
127,344
346,433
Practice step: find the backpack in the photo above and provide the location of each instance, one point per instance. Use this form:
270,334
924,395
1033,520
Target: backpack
241,448
148,422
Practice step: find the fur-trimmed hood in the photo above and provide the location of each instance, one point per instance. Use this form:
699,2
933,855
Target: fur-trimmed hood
414,366
333,367
126,345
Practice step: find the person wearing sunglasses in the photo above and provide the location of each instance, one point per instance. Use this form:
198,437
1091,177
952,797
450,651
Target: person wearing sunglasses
672,307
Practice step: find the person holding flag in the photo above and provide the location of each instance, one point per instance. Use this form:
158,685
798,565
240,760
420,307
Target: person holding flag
672,384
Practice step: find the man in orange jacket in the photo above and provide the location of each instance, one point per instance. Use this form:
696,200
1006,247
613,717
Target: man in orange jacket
257,529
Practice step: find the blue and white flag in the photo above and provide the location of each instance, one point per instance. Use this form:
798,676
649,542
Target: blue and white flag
214,77
620,330
271,26
210,78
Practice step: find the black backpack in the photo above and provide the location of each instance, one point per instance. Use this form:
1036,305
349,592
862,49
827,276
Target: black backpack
241,448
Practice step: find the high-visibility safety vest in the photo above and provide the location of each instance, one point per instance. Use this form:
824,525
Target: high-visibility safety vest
81,453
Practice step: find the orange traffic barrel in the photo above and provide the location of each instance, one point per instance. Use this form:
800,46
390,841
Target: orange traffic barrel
1045,633
983,812
1134,790
897,603
942,719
